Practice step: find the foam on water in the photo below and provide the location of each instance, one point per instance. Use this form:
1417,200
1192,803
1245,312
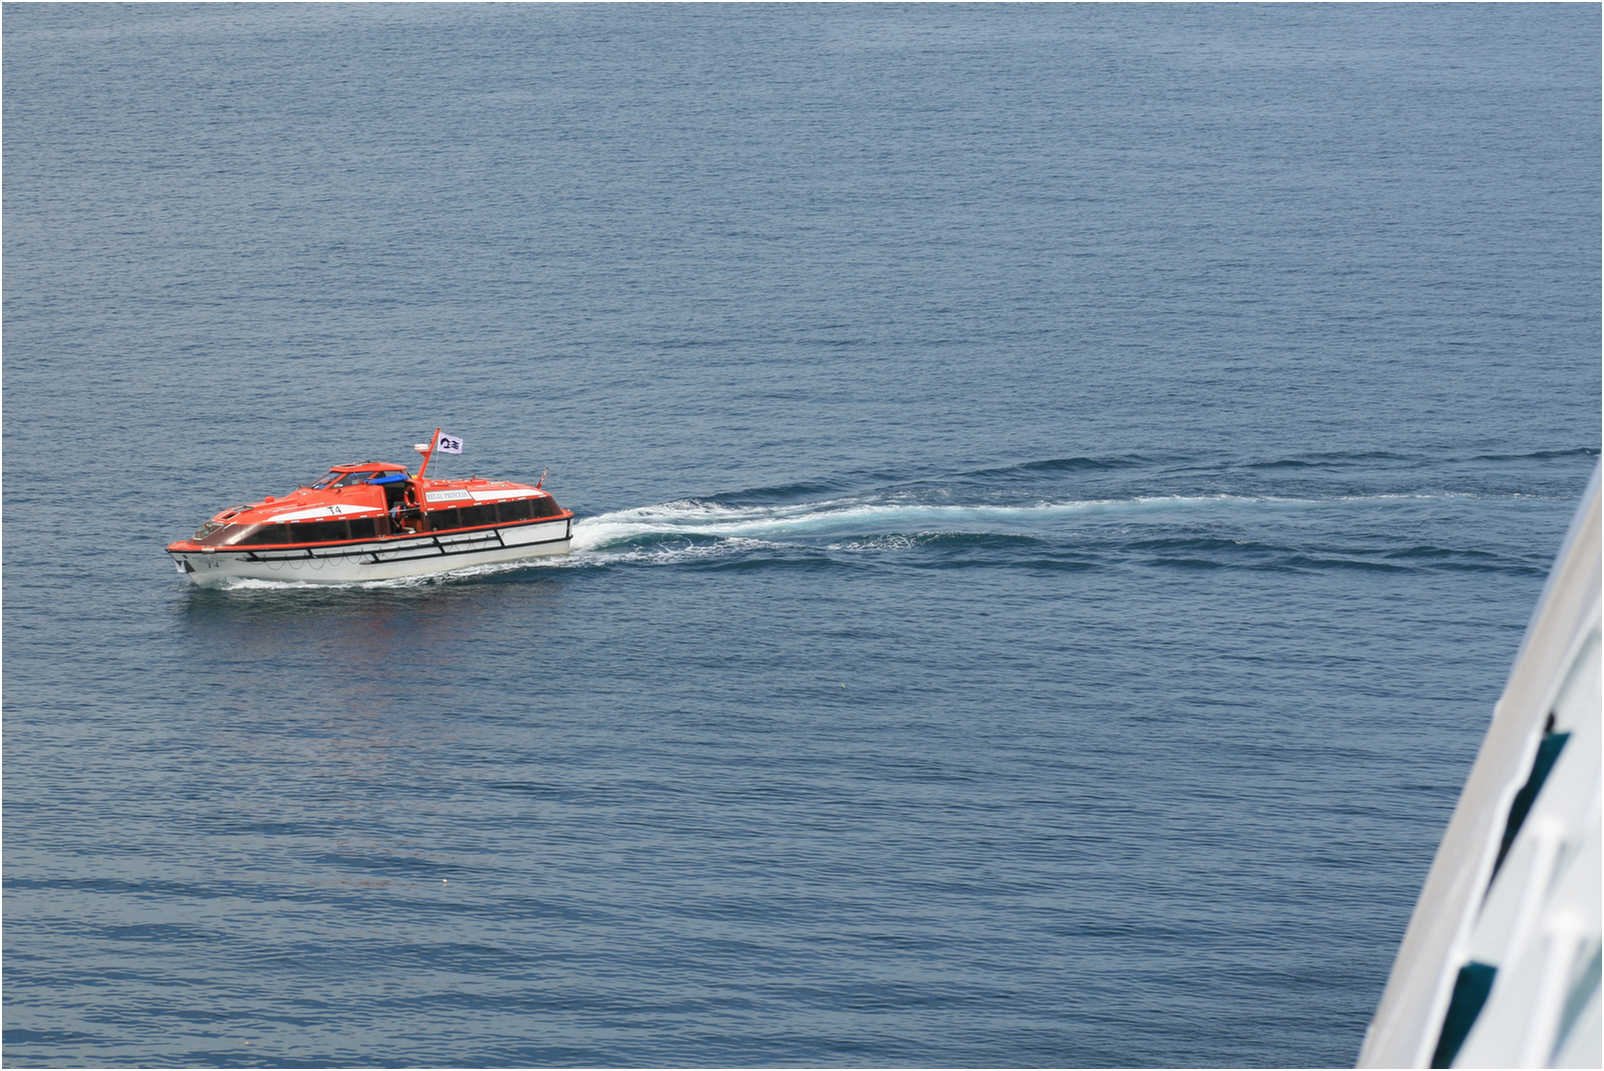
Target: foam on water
840,516
874,517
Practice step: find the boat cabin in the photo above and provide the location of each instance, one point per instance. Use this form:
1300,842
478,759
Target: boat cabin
371,500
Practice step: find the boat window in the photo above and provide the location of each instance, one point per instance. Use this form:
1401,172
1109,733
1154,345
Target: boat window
364,528
327,480
317,531
227,535
504,512
517,509
477,515
219,535
265,533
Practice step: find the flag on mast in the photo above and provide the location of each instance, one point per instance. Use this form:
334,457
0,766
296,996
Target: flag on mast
448,444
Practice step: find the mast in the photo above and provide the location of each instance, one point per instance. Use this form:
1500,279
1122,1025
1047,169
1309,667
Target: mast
427,452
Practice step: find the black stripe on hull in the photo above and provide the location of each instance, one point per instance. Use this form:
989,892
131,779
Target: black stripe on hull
382,551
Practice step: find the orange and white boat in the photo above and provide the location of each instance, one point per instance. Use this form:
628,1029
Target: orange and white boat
377,521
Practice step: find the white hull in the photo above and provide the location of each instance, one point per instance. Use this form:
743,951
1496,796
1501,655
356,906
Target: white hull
379,559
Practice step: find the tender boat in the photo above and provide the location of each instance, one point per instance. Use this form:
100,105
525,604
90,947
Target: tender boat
376,521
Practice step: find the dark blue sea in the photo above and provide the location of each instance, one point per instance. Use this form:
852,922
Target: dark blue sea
1060,491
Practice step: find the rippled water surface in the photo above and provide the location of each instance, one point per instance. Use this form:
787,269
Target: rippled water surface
1060,489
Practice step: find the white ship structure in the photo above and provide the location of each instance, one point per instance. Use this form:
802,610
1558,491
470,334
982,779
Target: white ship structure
1500,965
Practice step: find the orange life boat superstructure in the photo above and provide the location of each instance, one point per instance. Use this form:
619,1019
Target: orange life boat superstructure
377,521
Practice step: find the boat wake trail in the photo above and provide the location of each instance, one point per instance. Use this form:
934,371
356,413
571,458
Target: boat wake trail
810,522
928,529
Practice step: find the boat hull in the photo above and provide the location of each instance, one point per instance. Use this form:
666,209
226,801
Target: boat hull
390,558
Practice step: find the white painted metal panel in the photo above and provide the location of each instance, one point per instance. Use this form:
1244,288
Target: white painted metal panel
1541,1008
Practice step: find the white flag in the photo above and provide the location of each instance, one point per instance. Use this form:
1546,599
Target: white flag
448,444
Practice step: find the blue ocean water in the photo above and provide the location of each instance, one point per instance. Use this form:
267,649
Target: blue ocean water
1060,489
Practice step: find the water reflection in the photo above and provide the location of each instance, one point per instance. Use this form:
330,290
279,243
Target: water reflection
350,623
351,700
388,650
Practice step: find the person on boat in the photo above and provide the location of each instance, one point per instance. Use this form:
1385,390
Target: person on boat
405,513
